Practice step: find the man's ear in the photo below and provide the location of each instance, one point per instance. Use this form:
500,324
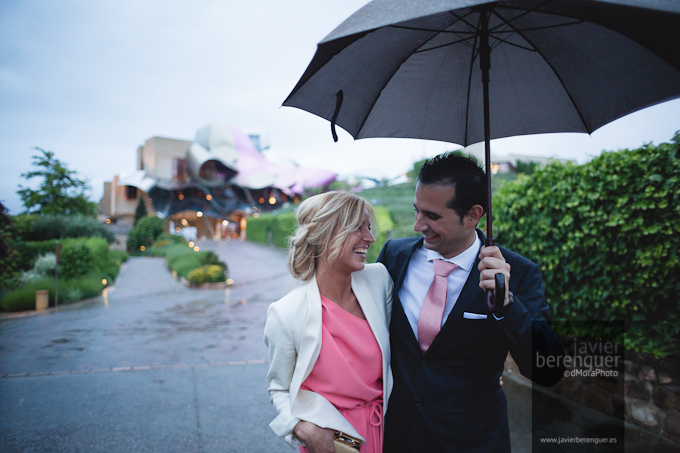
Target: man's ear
474,215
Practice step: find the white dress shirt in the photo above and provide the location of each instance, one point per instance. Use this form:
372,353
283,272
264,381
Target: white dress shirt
420,275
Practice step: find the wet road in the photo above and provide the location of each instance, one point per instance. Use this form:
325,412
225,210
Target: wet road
151,366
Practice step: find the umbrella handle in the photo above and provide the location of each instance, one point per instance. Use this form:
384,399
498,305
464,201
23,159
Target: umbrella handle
495,299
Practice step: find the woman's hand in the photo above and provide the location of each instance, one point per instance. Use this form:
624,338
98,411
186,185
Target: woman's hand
316,439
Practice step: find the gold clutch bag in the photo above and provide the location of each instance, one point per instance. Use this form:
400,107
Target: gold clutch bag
344,443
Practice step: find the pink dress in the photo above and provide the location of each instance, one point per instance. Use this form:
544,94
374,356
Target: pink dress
348,373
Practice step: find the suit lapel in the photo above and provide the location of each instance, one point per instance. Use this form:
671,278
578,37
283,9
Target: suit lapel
402,262
399,319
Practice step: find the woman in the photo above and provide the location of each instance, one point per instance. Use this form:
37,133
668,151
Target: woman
328,339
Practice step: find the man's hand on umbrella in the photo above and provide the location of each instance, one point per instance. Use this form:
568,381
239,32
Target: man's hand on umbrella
492,263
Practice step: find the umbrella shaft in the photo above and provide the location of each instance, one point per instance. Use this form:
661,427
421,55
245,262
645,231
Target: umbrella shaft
485,66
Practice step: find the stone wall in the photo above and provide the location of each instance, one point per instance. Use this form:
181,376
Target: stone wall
650,397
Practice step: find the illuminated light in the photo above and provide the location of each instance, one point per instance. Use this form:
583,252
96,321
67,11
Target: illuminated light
225,222
181,196
256,215
261,200
142,248
108,221
104,282
196,249
208,197
297,199
272,200
199,214
191,244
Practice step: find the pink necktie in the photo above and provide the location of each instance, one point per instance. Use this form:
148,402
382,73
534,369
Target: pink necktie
432,313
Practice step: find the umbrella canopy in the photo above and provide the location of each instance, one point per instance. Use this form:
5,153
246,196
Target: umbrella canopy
466,71
412,69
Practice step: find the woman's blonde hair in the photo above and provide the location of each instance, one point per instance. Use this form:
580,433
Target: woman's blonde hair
324,223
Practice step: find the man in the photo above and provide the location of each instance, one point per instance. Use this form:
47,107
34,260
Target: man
446,395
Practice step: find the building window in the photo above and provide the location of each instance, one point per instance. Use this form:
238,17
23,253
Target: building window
130,192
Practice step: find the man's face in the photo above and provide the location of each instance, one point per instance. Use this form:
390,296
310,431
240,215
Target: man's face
442,228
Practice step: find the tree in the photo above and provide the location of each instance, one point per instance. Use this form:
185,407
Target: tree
61,192
140,210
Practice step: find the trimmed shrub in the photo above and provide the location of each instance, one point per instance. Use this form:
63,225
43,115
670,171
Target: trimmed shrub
182,259
606,236
197,276
81,256
76,259
145,232
211,273
215,273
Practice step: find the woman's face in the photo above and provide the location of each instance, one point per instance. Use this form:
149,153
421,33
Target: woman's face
353,255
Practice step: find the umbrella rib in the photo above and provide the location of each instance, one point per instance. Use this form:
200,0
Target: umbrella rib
547,27
403,27
464,41
524,11
505,41
535,49
473,57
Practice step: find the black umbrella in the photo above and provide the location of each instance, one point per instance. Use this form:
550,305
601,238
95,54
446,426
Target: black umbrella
466,71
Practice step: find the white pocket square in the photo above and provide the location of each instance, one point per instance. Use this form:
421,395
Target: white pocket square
468,315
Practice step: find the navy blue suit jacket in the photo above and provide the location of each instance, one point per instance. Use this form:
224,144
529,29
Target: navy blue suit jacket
449,399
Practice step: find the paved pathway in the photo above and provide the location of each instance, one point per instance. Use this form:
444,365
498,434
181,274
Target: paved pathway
152,366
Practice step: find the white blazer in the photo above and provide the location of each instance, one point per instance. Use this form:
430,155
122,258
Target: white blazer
293,336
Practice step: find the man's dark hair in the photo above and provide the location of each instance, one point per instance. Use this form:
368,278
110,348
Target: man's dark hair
463,173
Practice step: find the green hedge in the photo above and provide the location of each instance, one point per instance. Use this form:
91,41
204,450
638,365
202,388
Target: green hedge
272,228
277,228
606,236
385,226
28,251
35,227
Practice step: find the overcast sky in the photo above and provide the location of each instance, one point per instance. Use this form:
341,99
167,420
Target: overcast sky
93,80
